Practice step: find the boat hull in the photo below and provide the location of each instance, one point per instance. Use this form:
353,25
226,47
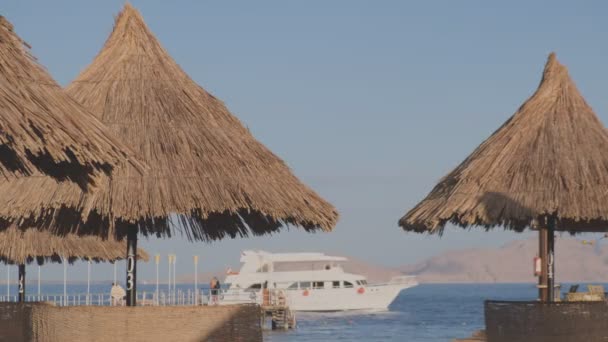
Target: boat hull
371,297
345,299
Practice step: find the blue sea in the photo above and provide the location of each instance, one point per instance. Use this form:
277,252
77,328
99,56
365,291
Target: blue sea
433,312
429,313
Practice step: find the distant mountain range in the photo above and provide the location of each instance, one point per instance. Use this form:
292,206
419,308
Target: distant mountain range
511,263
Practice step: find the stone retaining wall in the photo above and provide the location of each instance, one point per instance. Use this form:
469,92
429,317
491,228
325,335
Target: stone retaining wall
47,323
546,322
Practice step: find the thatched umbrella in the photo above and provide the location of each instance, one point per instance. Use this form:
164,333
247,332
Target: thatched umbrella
205,165
52,150
24,247
42,130
545,168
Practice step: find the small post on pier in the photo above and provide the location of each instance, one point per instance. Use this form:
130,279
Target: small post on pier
39,294
132,266
195,279
8,282
21,283
88,280
170,258
65,281
157,261
174,289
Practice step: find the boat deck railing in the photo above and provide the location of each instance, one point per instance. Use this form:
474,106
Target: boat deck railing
398,280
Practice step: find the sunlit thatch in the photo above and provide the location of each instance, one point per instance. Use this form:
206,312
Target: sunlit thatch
205,165
550,158
44,131
24,247
52,150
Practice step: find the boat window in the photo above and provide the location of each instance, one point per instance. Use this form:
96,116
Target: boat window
304,284
363,282
336,284
255,286
318,284
293,286
348,284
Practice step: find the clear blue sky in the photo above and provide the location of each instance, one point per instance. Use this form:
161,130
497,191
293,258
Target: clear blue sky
369,102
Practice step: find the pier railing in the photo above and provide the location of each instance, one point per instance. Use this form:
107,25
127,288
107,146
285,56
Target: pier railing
162,298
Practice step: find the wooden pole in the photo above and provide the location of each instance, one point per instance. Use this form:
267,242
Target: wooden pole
132,266
551,259
543,294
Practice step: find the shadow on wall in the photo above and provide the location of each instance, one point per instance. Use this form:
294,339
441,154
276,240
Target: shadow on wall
46,323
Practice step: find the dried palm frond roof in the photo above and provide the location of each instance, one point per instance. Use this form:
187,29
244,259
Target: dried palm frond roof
44,130
24,247
205,165
550,158
52,150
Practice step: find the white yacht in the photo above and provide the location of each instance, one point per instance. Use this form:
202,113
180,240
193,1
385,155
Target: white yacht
310,282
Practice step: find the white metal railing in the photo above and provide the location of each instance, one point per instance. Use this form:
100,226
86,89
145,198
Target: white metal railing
398,280
276,297
145,298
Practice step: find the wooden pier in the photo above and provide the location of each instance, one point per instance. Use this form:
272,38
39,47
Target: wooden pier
276,309
280,317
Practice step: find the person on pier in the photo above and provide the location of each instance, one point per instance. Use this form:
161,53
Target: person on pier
117,294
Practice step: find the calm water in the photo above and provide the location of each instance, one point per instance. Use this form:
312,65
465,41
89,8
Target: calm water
423,313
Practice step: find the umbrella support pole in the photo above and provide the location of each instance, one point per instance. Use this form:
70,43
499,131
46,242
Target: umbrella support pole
132,267
543,280
21,283
551,259
546,248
